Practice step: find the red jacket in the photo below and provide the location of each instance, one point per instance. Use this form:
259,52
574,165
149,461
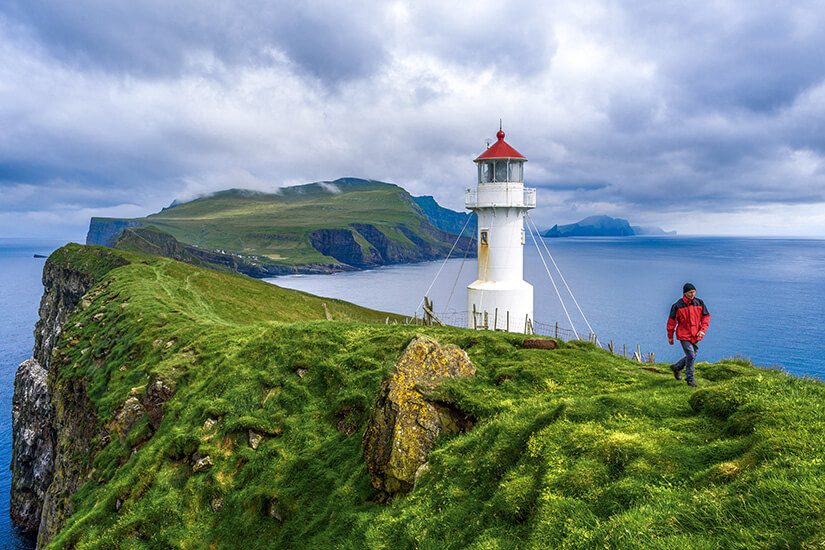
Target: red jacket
688,317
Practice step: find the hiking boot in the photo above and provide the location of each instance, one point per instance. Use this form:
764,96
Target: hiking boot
691,383
676,373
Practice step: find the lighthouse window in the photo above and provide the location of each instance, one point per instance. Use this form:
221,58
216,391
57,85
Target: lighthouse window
486,172
515,170
501,170
483,237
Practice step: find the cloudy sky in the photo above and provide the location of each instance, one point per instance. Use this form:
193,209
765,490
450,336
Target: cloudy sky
703,117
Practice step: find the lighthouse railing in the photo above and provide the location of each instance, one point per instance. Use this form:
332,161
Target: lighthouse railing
501,197
529,197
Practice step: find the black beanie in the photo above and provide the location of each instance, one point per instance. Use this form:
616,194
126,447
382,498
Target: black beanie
687,288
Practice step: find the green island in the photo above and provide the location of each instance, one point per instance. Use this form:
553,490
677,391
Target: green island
345,224
569,448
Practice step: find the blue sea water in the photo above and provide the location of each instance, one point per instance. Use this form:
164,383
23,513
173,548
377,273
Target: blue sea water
20,291
766,298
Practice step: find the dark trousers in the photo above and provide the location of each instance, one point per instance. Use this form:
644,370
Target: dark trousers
687,361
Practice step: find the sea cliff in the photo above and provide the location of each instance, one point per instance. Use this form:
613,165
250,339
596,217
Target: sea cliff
66,279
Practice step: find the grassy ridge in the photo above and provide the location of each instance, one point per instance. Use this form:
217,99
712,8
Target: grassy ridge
573,448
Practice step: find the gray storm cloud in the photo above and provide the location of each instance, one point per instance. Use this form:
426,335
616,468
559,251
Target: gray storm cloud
658,112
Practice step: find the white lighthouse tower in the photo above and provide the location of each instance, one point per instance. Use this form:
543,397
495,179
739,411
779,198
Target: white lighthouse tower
500,298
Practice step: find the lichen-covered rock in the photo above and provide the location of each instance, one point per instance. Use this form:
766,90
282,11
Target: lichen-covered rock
158,392
130,412
76,425
274,511
32,456
404,425
254,440
203,464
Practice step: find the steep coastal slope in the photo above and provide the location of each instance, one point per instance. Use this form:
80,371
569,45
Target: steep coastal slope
49,428
198,409
319,227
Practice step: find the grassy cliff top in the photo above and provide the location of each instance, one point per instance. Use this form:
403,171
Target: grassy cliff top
572,448
276,226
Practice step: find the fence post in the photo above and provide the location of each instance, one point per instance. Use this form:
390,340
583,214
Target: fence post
624,350
652,358
508,320
495,320
611,347
557,330
526,315
475,319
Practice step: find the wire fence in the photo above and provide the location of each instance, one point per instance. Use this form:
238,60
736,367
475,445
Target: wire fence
554,330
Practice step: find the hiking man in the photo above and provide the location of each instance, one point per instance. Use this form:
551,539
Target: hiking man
689,317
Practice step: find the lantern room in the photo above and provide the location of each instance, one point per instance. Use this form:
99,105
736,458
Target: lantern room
500,163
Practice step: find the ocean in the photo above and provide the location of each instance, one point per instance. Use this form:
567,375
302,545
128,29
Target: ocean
766,297
20,291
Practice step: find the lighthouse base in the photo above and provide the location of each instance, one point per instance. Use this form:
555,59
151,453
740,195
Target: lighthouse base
506,305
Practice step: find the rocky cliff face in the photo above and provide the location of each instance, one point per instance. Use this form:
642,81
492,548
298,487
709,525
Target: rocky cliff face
75,424
444,218
342,245
153,242
34,419
105,231
33,444
63,287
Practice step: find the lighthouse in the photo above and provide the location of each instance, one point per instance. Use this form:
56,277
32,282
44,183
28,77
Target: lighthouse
500,298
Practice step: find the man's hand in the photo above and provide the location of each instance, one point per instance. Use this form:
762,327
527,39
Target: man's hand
701,334
670,341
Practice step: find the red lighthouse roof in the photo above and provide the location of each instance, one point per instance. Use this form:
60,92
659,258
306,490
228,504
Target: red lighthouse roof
500,150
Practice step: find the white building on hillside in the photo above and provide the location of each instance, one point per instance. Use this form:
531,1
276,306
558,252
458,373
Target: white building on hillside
500,298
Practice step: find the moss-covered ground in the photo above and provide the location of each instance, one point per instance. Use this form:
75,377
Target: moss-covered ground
572,448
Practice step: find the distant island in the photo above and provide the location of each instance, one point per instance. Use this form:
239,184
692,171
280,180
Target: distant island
603,226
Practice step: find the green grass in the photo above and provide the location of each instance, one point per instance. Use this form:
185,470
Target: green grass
573,448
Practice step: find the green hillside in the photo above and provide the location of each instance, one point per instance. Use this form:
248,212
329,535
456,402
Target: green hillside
572,448
348,222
